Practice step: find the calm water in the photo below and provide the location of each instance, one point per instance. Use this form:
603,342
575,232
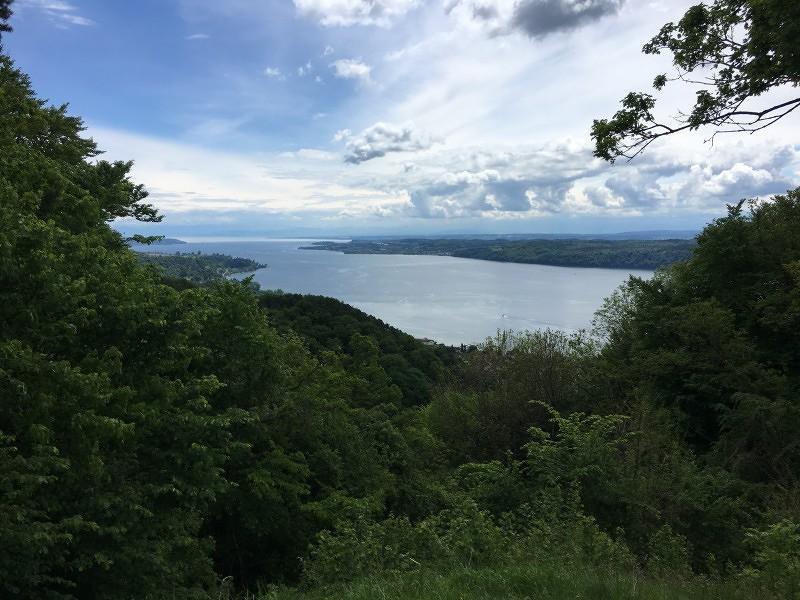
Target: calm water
451,300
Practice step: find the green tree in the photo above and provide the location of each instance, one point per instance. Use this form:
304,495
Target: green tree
111,454
154,440
776,559
5,15
716,339
496,393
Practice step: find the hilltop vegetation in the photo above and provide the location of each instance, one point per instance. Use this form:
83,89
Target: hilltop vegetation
610,254
188,441
327,324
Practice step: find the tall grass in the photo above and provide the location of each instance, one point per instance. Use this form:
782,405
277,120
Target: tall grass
524,581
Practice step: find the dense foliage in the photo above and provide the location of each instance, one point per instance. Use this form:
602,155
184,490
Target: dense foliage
188,441
611,254
196,267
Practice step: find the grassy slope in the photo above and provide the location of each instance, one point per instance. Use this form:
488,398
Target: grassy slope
539,582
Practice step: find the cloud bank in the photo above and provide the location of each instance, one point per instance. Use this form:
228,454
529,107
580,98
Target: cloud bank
558,179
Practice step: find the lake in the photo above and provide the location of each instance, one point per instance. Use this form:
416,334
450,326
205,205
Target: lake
450,300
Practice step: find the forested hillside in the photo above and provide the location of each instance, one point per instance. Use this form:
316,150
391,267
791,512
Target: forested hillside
162,441
327,324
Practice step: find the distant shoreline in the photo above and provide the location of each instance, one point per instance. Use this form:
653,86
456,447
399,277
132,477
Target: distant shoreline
581,253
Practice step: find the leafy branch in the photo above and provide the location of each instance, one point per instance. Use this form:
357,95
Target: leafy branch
736,50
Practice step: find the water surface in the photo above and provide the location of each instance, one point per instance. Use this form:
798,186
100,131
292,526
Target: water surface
450,300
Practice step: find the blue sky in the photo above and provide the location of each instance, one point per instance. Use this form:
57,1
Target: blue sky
255,118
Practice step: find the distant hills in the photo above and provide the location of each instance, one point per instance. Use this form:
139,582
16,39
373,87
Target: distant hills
571,252
167,241
656,234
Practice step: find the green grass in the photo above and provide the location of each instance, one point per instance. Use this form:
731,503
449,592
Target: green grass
534,582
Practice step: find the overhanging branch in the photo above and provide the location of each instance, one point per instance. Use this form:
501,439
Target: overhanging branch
742,121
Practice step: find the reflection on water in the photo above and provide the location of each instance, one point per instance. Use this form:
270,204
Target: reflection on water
451,300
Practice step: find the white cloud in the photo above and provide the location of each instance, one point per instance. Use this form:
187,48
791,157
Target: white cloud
489,192
60,12
381,139
706,186
328,51
274,73
197,36
347,68
354,12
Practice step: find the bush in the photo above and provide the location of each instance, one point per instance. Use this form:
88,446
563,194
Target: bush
668,554
775,568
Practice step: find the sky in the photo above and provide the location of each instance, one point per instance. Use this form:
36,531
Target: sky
259,118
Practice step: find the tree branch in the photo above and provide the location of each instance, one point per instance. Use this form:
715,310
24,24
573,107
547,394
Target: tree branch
757,121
